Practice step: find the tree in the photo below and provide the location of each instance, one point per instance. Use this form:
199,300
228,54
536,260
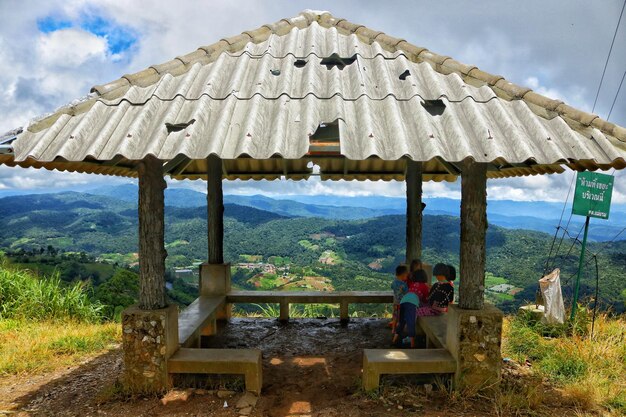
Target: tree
122,290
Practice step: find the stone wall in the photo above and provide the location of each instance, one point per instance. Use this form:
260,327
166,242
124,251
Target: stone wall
149,338
474,339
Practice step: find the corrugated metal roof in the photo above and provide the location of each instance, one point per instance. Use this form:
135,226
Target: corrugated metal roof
256,101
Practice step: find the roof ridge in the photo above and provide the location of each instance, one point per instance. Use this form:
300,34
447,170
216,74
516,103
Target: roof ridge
470,74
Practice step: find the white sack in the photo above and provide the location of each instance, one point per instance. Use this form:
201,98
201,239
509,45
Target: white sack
550,286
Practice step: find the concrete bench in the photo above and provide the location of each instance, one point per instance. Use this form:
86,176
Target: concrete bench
435,328
377,362
197,318
284,298
245,362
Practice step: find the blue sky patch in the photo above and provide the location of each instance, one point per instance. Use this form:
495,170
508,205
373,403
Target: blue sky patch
51,24
119,38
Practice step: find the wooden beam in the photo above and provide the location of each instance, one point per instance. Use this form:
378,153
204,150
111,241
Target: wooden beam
413,210
215,210
449,166
113,162
176,165
473,235
151,234
235,174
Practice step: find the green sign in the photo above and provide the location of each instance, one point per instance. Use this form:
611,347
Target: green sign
593,195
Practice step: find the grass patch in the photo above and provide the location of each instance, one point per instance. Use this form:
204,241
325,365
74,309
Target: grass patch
492,280
308,245
28,347
589,371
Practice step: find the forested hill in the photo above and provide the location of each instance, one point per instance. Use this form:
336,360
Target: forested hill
351,254
530,215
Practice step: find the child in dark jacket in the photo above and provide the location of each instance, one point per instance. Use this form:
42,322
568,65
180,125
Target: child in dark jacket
441,293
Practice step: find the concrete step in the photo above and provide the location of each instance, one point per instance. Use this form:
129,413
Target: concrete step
377,362
245,362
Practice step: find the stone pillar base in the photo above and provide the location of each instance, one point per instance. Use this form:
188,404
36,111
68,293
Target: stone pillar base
149,338
474,338
215,280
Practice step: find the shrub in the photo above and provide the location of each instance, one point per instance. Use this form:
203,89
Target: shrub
24,295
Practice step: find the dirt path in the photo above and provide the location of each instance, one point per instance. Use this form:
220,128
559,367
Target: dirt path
295,386
311,368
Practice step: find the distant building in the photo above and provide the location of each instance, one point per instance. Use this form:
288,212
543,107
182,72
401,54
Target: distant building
183,273
267,268
502,288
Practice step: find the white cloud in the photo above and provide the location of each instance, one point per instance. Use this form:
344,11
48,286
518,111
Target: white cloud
40,72
68,48
29,179
574,96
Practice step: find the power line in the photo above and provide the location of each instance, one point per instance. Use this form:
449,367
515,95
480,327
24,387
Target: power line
604,246
558,227
616,94
591,254
608,57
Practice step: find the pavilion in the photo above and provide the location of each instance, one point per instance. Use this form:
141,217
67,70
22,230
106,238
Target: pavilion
311,93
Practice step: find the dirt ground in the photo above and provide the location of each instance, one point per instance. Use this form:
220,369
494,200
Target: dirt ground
310,367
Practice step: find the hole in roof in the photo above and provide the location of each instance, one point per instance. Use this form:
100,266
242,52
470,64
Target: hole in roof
325,140
275,72
434,107
336,61
405,74
326,132
299,63
177,127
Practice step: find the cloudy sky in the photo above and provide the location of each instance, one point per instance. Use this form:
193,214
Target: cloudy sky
52,52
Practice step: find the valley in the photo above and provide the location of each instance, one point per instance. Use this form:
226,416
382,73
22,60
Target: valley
92,238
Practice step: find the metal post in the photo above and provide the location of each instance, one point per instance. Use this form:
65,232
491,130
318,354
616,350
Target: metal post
580,270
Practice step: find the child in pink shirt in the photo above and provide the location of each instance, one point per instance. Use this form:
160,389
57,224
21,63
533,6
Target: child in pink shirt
418,285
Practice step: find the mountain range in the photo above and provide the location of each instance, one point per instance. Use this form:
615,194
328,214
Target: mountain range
530,215
364,251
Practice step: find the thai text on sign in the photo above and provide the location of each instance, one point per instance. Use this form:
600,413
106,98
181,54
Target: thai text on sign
593,195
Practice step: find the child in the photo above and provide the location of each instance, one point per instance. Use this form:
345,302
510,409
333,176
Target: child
418,284
441,293
416,264
451,278
407,317
400,288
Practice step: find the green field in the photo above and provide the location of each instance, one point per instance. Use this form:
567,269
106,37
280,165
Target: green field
492,280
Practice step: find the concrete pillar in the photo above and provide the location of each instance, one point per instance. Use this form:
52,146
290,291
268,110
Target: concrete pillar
215,280
474,339
149,339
